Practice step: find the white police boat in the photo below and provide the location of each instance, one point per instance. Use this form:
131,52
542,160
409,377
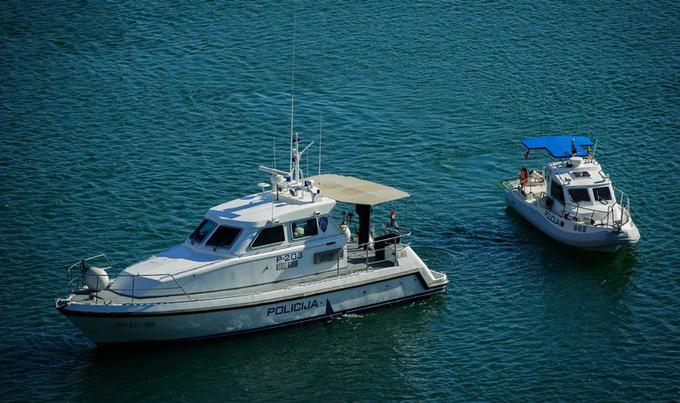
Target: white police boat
572,199
262,261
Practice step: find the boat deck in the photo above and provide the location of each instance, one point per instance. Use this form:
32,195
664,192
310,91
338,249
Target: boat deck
535,189
357,260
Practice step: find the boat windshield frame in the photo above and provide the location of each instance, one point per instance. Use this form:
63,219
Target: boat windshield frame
193,237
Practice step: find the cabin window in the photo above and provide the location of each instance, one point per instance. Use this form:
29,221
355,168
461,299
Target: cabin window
328,256
223,237
268,236
203,229
556,191
579,195
304,228
602,193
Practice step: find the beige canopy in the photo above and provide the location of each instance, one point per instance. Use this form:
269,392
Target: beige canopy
357,191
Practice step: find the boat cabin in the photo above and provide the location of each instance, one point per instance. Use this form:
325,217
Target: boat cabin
579,181
263,221
573,185
272,236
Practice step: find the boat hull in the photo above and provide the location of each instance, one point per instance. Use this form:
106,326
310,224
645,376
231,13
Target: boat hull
188,324
600,239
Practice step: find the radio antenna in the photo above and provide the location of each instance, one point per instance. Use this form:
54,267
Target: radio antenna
320,127
292,88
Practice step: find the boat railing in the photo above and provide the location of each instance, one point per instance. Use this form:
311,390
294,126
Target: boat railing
395,240
509,184
624,202
537,179
76,281
616,215
606,218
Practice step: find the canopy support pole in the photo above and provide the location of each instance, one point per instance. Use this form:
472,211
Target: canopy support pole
364,212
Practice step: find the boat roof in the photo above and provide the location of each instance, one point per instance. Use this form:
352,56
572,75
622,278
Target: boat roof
259,209
349,189
559,146
585,174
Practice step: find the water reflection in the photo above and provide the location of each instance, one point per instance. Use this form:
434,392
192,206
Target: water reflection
273,365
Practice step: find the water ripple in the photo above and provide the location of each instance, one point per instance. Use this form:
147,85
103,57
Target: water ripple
122,123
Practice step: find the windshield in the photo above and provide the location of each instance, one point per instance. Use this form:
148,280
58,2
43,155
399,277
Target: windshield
204,228
579,195
556,191
223,237
602,193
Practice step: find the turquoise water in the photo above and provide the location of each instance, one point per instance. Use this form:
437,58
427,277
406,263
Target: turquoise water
123,122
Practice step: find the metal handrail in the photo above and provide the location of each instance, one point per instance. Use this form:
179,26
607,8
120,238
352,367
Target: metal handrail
69,271
398,246
513,183
400,234
180,286
609,219
71,278
249,254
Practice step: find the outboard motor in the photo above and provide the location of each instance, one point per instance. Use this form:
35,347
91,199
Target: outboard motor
96,278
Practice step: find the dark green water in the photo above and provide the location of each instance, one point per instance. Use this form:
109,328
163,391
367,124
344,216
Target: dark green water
122,122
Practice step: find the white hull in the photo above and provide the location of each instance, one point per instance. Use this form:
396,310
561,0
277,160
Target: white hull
579,235
139,322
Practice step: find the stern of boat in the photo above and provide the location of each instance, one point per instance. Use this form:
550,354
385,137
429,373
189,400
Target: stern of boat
393,250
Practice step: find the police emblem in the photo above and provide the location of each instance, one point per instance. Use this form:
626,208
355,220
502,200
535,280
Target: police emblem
323,223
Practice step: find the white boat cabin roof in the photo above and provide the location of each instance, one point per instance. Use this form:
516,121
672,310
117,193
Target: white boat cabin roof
260,209
578,172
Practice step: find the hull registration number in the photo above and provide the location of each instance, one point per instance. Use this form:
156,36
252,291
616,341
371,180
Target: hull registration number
287,261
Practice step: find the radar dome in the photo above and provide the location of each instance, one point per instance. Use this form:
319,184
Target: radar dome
96,278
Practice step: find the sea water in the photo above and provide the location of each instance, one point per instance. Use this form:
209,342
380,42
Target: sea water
121,123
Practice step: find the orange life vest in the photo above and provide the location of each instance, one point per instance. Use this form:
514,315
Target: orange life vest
523,178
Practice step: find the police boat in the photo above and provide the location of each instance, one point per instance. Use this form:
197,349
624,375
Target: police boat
262,261
572,199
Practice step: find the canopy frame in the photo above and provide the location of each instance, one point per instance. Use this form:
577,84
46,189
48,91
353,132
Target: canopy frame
560,146
348,189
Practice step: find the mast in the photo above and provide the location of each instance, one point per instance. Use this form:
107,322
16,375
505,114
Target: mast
320,127
292,95
296,157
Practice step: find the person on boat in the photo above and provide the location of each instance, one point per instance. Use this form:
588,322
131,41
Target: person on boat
523,178
393,220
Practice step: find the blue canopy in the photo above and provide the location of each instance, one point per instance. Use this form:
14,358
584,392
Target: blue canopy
559,146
